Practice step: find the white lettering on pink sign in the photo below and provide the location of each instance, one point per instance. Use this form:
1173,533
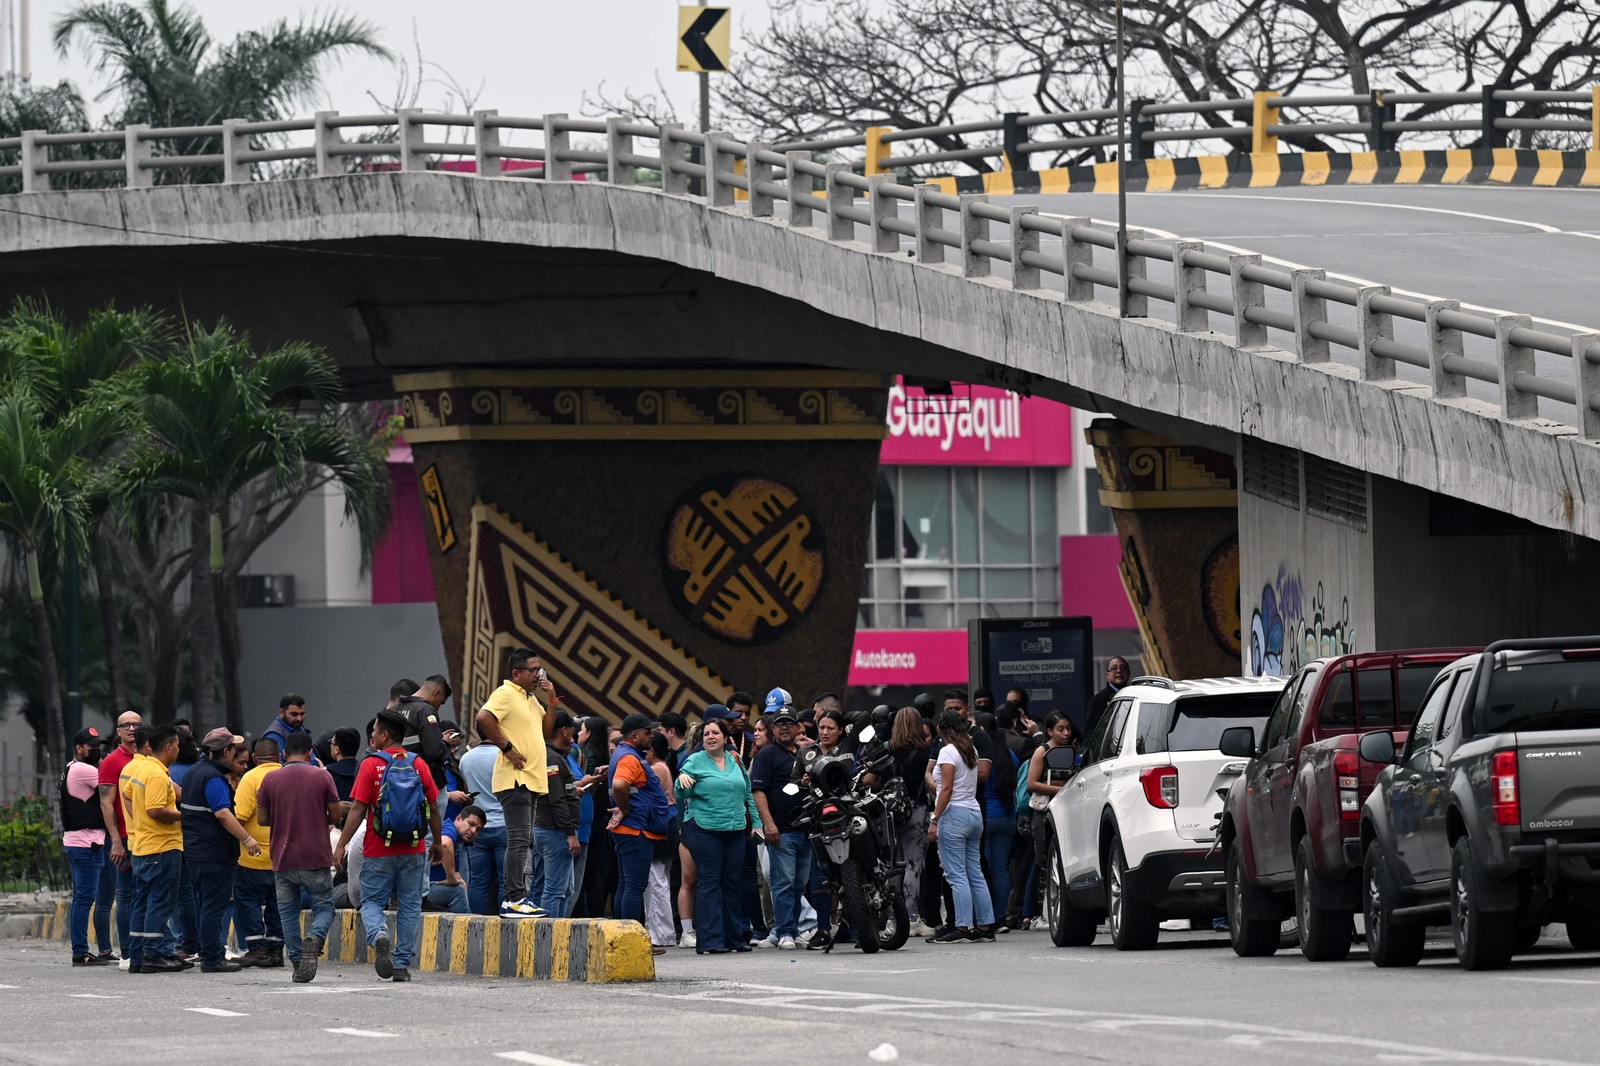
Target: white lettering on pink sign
884,659
977,418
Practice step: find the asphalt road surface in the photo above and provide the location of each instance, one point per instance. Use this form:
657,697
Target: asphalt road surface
1016,1001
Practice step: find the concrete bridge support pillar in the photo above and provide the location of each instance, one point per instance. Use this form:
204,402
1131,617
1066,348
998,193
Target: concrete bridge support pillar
660,538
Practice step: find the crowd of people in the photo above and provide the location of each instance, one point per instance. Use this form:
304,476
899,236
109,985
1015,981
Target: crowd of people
689,831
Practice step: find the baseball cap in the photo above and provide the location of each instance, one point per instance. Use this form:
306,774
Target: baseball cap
89,735
715,711
783,714
636,721
219,739
778,698
563,720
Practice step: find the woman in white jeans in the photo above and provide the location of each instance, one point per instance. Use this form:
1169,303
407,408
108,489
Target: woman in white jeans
658,893
957,827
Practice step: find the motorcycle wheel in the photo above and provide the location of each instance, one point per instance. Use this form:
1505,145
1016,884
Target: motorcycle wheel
895,928
862,920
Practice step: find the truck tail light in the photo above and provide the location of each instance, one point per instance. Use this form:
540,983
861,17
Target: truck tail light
1347,769
1503,789
1160,785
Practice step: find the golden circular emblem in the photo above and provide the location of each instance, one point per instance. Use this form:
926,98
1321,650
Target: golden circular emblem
744,558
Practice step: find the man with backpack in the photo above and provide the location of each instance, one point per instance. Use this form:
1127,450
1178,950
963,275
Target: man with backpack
395,788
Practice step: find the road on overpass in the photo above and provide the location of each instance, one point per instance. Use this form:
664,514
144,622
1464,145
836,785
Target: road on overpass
1018,1000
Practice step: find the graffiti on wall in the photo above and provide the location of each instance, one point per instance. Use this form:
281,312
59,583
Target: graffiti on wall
1288,629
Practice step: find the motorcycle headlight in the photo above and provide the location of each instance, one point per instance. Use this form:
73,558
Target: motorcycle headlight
831,774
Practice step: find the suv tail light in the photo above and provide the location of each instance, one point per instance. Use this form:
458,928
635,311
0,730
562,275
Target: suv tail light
1347,769
1503,789
1160,785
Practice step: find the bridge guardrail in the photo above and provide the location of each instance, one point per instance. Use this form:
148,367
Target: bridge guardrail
1257,299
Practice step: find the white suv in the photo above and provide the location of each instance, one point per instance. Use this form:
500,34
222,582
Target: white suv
1134,826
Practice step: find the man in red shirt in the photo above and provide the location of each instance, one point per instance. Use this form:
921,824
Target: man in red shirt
111,768
300,802
395,855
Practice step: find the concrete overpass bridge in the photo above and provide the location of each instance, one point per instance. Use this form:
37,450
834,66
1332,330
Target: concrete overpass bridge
606,381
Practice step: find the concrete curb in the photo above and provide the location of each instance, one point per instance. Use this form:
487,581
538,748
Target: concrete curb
597,951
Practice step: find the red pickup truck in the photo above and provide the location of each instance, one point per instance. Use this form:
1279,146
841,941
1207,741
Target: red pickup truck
1291,824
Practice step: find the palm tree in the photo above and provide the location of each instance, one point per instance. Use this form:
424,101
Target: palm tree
71,367
45,489
166,70
225,422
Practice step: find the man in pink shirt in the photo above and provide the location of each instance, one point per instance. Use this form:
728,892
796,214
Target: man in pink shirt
84,838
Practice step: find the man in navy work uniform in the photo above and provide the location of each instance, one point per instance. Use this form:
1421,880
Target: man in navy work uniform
212,834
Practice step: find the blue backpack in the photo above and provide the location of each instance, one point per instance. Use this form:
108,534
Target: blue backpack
401,814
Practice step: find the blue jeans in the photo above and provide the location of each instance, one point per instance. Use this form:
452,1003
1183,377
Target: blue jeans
255,910
998,835
580,863
186,914
124,900
155,893
443,897
719,860
555,861
290,884
86,866
960,844
399,876
103,900
633,874
791,872
752,926
485,870
213,889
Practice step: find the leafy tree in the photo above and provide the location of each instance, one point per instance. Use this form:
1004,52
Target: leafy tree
234,431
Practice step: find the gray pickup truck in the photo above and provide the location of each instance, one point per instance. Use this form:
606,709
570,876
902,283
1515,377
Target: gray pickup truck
1489,817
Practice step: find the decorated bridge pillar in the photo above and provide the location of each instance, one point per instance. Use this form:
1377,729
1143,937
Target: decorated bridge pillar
660,538
1176,511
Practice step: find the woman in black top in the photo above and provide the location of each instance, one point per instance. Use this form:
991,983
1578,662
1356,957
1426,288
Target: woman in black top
909,750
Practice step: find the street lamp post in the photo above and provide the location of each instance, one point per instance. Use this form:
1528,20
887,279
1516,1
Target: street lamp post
1122,177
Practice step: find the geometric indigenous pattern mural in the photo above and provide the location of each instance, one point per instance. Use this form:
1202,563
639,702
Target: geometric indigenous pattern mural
602,657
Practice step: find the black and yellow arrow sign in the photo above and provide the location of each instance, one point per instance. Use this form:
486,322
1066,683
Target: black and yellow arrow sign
704,39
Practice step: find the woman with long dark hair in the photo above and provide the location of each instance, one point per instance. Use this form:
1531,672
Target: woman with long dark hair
957,827
595,747
1000,819
1043,785
908,748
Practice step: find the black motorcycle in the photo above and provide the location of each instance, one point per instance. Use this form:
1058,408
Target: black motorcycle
852,826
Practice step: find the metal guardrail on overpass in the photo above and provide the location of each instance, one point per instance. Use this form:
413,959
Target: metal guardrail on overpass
1451,344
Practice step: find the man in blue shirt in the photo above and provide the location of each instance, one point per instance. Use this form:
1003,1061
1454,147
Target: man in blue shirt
788,848
447,891
488,860
291,719
212,834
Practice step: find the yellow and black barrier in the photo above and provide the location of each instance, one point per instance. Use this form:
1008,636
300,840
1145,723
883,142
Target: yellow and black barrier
1246,170
601,951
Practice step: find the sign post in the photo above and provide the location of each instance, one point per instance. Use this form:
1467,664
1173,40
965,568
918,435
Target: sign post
704,47
1051,659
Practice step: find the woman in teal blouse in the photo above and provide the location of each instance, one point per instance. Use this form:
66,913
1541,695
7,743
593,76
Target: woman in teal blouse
718,811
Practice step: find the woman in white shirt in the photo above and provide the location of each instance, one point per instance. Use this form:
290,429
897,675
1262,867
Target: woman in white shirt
957,827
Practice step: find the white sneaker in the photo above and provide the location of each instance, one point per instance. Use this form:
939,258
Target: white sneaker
521,909
760,943
922,929
688,939
1176,925
788,943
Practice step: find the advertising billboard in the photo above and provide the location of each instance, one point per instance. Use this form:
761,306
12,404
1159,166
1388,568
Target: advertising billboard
1049,658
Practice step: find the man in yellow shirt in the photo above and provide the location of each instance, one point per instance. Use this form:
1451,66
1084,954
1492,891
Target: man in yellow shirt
255,892
155,841
518,722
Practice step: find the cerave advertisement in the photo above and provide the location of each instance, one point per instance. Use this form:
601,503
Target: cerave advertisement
976,425
1049,658
909,657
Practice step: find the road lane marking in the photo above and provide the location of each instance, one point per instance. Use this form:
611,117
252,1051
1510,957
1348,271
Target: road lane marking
359,1032
1222,1031
322,991
216,1012
91,995
1503,219
1554,980
533,1060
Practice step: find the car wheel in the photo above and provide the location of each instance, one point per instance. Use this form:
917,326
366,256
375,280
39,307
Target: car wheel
1069,926
1483,941
1584,935
1324,933
1135,925
1388,944
1250,937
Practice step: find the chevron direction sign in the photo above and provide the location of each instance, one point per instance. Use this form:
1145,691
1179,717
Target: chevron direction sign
704,39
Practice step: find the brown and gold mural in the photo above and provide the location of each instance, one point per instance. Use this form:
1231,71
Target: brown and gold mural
1176,511
659,537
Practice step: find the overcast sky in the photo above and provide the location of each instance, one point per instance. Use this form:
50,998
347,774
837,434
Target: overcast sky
529,56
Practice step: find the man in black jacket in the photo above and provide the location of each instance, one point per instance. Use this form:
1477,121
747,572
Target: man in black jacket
1117,674
555,823
423,733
